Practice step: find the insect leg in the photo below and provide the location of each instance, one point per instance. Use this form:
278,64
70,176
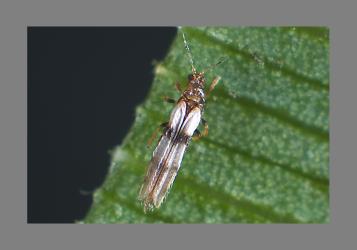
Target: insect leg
213,85
178,87
197,134
169,99
154,134
205,124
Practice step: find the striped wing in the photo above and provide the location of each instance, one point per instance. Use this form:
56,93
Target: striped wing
168,173
168,155
160,155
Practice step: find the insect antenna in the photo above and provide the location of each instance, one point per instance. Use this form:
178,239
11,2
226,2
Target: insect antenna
212,66
188,51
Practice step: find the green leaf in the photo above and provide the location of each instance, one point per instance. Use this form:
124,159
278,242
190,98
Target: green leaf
266,158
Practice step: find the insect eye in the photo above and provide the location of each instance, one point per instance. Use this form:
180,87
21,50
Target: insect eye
190,77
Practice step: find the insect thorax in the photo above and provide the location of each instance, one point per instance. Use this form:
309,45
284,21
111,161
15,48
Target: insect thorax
194,97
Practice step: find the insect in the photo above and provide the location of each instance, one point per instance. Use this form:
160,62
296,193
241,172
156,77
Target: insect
178,132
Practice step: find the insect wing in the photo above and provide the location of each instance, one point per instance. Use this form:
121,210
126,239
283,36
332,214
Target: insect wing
173,162
168,173
191,122
159,156
161,153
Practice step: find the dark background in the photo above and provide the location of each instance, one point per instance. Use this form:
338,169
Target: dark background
83,86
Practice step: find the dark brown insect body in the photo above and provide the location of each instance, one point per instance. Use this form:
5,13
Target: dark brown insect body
194,95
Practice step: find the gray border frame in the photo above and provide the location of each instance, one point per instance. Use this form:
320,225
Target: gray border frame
16,15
